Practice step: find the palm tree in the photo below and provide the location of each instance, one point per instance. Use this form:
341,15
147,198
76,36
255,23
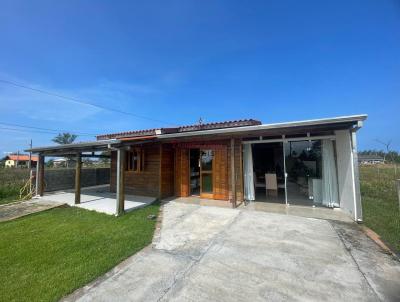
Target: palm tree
65,138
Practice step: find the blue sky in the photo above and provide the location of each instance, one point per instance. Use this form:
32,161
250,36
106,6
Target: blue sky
177,61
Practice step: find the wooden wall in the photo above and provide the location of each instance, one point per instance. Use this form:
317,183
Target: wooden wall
146,182
167,171
182,188
220,174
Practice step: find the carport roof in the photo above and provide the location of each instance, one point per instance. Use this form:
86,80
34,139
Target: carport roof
77,147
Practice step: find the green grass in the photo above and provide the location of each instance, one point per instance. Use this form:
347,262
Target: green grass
381,210
45,256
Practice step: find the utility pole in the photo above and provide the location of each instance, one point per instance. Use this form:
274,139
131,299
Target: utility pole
30,156
17,162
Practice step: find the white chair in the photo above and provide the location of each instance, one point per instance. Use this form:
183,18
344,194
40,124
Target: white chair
271,184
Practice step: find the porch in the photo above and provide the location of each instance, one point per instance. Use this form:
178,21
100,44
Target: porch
91,198
335,214
97,198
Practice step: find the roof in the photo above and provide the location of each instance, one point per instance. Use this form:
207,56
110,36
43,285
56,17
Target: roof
21,157
369,157
341,122
230,128
180,129
78,147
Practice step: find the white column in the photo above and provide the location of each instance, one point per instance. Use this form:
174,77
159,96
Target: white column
348,181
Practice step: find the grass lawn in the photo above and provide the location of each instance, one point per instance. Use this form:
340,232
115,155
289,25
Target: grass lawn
381,210
45,256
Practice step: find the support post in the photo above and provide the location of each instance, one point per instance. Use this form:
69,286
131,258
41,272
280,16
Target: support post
30,156
233,176
120,182
78,169
40,176
284,166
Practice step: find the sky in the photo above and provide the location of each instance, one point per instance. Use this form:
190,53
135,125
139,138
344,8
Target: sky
176,61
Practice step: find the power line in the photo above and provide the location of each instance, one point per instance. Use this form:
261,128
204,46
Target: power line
47,129
75,100
36,131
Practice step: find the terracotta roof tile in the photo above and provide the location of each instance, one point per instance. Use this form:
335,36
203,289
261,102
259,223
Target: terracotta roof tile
21,157
185,128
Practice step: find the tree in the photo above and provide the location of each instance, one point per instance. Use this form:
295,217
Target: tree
389,153
65,138
50,163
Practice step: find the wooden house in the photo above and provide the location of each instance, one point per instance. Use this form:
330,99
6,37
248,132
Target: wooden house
310,163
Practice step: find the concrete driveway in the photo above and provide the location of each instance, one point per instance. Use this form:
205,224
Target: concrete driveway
215,254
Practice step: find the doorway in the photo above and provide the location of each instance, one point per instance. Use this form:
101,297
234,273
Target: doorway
269,172
201,173
311,173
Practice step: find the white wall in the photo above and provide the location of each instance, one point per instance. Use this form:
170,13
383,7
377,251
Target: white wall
349,189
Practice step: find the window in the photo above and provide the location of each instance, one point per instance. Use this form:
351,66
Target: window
135,160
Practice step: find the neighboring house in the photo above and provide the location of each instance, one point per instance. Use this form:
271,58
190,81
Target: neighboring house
19,160
308,163
60,162
370,159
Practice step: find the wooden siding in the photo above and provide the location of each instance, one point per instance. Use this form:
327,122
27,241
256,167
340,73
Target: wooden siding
146,182
238,170
182,187
167,171
220,174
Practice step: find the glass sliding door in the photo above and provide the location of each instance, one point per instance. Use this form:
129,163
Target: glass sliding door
195,172
303,162
311,176
206,173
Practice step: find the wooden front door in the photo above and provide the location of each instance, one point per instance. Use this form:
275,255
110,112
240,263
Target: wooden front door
220,175
202,173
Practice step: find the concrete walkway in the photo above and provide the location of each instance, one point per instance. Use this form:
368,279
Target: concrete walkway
215,254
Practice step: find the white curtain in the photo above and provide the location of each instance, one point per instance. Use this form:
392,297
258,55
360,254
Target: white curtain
248,173
329,176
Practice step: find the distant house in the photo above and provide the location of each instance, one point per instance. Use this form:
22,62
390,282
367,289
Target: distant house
370,159
60,162
19,160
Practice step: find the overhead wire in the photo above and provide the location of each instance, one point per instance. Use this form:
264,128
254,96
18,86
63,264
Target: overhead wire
78,101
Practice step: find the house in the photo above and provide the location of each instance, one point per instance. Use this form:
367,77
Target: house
60,162
308,163
370,159
19,160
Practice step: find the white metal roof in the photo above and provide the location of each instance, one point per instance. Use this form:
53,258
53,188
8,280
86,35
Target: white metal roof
357,119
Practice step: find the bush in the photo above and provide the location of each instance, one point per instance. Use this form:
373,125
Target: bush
11,181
